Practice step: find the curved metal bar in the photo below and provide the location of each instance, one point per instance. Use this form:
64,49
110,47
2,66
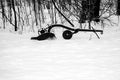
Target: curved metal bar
59,25
75,30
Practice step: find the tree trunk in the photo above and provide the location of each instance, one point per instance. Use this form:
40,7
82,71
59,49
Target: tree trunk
35,10
84,12
118,7
96,8
15,16
3,14
90,9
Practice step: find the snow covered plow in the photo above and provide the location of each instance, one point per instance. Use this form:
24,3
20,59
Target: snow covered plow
67,34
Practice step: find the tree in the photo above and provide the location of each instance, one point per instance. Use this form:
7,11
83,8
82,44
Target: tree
31,12
15,15
3,12
118,7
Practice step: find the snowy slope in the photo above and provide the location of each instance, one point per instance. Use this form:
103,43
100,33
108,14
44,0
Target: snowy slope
84,57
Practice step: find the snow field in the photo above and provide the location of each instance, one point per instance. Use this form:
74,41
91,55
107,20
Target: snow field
80,58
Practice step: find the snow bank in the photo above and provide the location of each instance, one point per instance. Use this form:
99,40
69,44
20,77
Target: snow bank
84,57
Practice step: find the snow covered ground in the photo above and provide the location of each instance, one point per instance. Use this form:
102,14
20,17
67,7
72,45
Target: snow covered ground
84,57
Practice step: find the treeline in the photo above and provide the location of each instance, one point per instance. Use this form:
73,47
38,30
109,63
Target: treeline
30,13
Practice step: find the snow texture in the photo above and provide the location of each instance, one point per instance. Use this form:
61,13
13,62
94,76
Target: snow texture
84,57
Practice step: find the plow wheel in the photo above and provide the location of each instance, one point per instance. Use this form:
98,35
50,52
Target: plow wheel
67,34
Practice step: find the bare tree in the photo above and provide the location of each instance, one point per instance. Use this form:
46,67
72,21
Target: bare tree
3,12
82,10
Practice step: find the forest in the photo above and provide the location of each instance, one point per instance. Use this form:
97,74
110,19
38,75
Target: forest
17,15
57,54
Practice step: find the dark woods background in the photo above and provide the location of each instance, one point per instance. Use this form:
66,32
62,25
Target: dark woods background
30,13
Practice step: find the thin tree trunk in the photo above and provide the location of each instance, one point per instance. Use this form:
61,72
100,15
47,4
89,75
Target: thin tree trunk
3,14
15,16
42,14
35,10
